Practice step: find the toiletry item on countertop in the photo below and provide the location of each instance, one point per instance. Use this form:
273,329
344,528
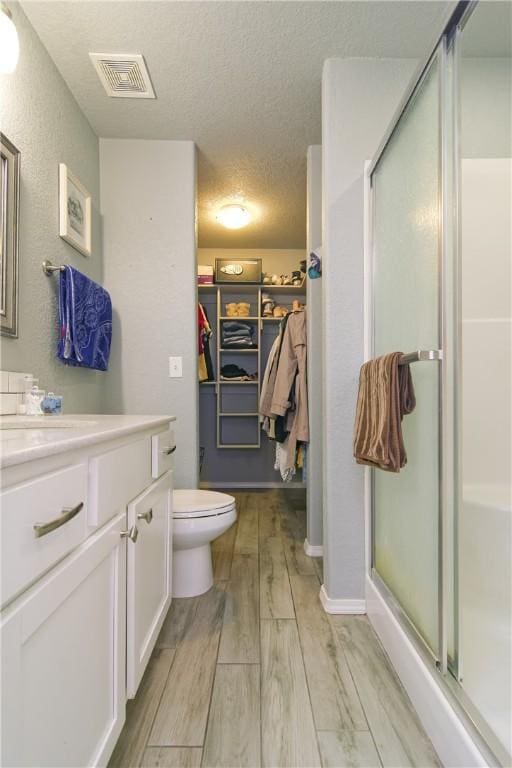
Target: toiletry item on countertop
52,403
33,400
28,382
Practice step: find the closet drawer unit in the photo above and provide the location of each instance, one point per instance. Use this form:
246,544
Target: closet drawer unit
117,477
42,521
163,446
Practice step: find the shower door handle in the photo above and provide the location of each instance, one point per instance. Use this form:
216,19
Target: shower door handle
147,516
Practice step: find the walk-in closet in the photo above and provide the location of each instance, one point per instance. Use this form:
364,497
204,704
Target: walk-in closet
241,325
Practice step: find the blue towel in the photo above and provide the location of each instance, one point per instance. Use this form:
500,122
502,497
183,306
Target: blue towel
85,315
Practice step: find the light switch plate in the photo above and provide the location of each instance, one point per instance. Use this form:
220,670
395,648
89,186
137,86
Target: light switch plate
175,367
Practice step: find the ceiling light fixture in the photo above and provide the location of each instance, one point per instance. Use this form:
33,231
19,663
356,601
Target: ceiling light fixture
233,216
9,43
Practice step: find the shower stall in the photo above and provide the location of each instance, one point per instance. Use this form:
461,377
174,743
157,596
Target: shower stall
439,287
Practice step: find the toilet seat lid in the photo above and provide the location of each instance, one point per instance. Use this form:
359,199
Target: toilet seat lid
196,503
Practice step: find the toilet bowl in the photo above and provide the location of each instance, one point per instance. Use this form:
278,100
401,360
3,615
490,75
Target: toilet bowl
199,517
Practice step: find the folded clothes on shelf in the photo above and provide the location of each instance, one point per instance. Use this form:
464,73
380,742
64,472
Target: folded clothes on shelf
239,344
241,334
237,335
231,372
236,326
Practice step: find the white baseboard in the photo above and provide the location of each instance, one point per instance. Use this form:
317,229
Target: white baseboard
331,605
230,484
451,740
313,550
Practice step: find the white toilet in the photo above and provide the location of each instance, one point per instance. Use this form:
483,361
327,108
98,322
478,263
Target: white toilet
199,517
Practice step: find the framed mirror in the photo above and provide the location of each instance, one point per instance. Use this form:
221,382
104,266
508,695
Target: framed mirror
9,218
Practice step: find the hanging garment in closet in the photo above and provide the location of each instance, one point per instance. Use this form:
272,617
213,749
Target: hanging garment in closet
272,358
205,365
290,388
284,404
269,378
281,462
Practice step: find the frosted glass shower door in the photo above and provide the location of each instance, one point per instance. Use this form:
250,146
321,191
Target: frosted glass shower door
406,268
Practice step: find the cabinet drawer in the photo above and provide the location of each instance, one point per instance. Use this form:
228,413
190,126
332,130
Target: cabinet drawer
117,477
163,446
28,552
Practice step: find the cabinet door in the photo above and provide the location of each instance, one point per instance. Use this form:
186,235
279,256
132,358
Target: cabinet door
63,659
149,575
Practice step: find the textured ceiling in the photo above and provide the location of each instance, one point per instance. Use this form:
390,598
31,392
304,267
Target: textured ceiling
488,32
241,79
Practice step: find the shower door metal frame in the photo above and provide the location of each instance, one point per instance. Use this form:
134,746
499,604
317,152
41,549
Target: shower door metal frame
446,52
437,57
448,258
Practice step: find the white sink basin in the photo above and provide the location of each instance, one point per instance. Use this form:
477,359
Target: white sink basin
45,422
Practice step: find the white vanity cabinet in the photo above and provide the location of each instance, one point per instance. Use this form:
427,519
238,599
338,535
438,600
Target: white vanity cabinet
63,654
86,543
149,575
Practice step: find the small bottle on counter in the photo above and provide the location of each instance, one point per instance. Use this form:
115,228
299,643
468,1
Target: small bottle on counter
34,399
27,386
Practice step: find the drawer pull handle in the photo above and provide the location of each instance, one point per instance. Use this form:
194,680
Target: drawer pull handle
132,534
147,516
167,451
68,513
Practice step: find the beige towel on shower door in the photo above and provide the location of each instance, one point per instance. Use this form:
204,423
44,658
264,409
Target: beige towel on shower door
385,394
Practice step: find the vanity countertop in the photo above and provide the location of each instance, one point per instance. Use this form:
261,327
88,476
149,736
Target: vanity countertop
24,438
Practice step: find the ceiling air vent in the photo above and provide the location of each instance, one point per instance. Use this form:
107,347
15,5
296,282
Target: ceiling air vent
123,75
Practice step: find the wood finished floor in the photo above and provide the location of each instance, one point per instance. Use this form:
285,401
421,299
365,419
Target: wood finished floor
254,673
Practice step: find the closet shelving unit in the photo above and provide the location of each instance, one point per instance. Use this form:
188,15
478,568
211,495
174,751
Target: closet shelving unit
252,358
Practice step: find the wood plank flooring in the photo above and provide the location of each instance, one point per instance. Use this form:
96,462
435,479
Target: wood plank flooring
254,673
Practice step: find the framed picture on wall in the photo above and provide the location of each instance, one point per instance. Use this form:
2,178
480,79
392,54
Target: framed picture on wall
9,224
74,211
